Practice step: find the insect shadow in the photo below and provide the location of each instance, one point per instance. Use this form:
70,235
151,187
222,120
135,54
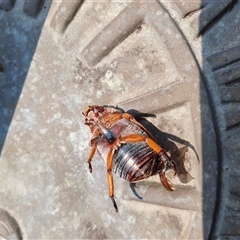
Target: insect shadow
166,141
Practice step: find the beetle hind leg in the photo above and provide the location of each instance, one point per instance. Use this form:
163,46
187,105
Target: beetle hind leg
166,163
166,183
169,164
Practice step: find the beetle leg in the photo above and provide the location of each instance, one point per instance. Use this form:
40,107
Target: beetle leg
133,138
166,183
139,138
130,118
152,144
92,152
110,177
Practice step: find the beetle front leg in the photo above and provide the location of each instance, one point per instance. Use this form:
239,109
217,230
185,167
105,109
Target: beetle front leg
110,177
92,152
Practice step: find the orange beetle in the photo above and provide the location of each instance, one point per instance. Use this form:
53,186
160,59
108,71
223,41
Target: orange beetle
128,148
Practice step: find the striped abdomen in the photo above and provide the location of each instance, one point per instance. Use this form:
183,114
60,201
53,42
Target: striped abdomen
135,161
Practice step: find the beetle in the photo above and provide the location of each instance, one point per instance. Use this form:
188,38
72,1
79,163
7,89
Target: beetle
128,148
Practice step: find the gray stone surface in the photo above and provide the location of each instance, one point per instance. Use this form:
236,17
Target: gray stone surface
177,60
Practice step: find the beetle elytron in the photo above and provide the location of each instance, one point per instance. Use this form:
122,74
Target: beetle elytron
128,148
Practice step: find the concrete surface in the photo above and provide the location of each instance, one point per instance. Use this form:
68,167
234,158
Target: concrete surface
177,60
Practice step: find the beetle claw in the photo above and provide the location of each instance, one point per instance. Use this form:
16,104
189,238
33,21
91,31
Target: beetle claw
166,183
90,167
114,203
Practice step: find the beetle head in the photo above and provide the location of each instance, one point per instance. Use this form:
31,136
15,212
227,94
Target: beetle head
92,114
93,111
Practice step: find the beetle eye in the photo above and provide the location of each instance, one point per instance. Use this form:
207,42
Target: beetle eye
91,114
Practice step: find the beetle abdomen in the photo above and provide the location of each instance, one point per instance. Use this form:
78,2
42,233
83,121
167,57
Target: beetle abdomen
135,161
